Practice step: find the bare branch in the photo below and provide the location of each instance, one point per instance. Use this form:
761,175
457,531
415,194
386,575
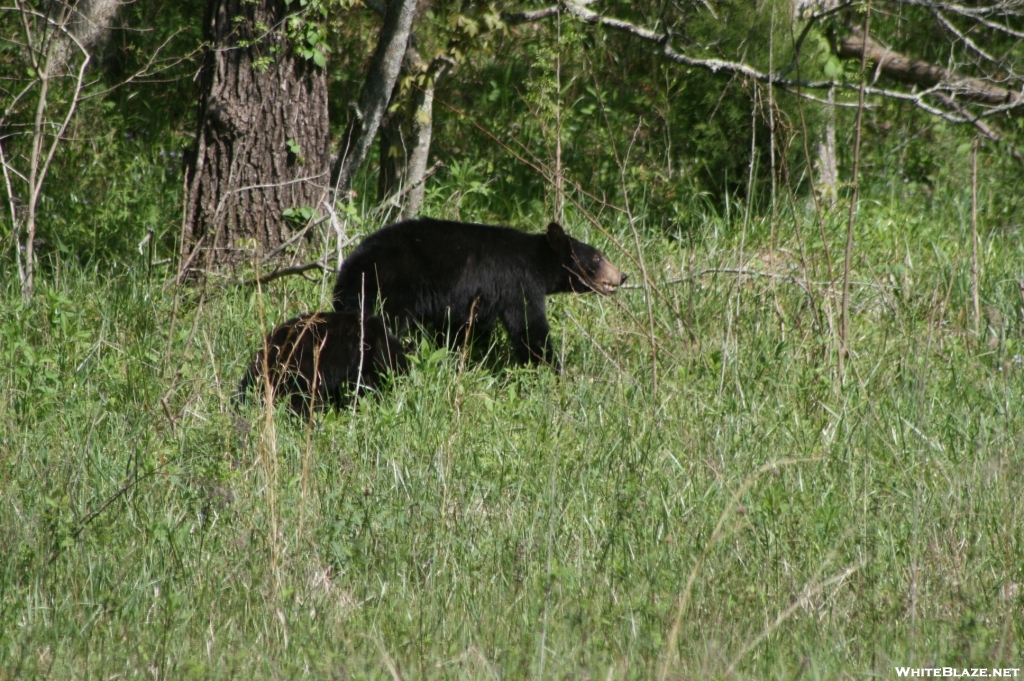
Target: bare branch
980,125
937,80
15,101
819,100
974,13
145,70
322,264
516,18
47,63
965,39
814,18
11,204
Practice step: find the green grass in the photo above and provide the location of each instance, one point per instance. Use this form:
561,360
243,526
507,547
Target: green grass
751,517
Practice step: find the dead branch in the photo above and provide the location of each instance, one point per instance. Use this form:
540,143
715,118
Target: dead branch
934,80
978,14
322,264
924,74
516,18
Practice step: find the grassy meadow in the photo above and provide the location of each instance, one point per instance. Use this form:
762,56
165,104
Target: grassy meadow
700,495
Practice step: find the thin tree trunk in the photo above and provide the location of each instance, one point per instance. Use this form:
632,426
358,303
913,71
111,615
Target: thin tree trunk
423,130
89,21
394,152
262,145
828,168
42,35
376,93
404,155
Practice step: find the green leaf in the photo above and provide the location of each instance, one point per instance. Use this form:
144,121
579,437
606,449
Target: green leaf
319,59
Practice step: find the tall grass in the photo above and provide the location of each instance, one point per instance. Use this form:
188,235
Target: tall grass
755,517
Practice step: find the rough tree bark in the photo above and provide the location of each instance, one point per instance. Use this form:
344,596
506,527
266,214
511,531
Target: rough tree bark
376,93
263,142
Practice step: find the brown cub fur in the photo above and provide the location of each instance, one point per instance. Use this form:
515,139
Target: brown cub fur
315,359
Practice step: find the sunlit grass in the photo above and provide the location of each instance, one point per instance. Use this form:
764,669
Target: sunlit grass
698,494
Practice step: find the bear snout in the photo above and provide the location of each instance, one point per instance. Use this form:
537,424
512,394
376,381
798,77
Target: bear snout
608,277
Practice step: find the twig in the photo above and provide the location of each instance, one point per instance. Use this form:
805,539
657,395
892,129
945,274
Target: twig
844,324
825,102
974,236
396,198
39,164
134,479
980,125
974,13
810,23
295,237
966,86
809,591
716,535
802,283
15,231
362,343
321,264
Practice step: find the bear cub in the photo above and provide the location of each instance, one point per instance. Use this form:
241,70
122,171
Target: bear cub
316,359
457,279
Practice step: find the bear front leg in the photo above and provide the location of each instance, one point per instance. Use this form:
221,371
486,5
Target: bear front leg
529,332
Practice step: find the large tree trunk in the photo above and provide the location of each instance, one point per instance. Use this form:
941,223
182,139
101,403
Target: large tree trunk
263,142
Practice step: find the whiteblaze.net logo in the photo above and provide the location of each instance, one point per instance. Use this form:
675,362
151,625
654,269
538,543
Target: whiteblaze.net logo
958,672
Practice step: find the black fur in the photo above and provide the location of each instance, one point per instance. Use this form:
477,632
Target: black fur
318,354
456,278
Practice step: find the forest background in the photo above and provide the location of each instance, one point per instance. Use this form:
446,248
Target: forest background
790,447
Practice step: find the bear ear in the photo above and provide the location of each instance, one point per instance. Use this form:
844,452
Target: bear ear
557,237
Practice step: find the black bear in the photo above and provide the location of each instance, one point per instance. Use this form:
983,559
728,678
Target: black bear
316,358
457,278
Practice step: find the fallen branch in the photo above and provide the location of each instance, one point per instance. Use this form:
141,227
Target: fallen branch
924,74
322,264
